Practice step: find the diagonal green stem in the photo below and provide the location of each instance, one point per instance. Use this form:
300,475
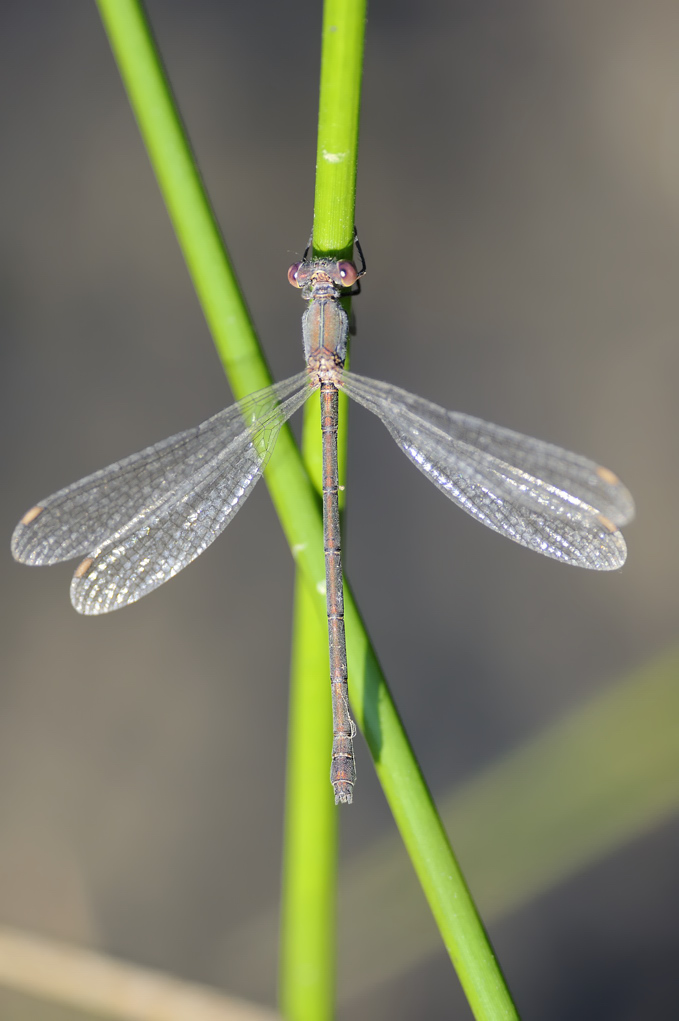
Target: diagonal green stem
291,490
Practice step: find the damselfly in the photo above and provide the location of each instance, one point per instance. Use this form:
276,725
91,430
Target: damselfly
141,520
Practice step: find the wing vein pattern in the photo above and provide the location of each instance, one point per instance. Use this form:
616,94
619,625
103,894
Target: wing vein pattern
550,500
144,518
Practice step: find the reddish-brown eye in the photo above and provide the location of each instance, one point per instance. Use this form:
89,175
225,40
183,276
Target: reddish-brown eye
292,274
348,273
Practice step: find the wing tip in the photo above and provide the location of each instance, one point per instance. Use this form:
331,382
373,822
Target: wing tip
614,546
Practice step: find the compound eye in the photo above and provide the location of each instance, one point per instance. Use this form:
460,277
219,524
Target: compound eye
348,273
292,274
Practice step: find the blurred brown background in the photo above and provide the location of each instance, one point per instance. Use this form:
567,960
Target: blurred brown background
518,204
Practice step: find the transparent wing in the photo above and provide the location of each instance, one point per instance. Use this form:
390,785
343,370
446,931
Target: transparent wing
550,500
143,519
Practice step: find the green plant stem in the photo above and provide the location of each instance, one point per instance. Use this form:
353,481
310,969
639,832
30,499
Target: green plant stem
297,505
307,976
308,929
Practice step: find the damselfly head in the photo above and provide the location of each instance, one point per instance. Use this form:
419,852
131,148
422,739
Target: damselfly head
319,275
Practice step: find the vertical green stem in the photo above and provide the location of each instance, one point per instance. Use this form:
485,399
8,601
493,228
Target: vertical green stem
338,120
308,947
308,910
